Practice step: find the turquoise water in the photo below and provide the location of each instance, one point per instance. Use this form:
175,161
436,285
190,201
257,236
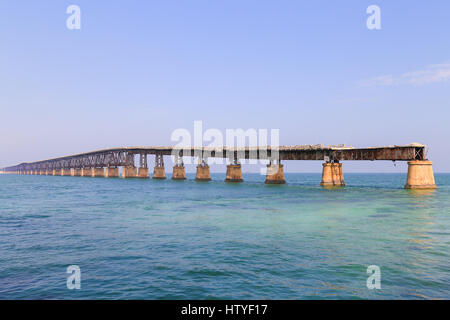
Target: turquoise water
147,239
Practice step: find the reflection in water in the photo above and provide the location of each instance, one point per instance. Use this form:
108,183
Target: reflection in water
421,192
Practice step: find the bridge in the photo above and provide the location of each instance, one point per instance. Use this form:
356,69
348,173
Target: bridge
106,162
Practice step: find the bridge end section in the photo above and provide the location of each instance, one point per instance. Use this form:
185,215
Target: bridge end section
332,175
420,175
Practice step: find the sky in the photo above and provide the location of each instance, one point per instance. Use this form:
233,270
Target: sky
138,70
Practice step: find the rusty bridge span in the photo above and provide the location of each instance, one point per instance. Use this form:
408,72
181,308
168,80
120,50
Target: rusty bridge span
106,162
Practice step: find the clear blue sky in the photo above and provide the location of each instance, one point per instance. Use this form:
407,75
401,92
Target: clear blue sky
137,70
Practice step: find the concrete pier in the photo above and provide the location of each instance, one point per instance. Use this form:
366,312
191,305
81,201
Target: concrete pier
234,173
159,173
179,173
143,173
202,173
420,175
86,172
66,172
76,172
332,175
158,170
112,172
275,174
129,172
98,172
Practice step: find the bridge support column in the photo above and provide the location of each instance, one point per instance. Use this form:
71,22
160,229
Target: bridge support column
332,175
275,174
143,167
179,173
158,171
129,172
65,172
86,172
112,172
76,172
143,173
203,173
98,172
234,173
420,175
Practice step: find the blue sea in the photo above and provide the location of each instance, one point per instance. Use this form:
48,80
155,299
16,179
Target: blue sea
152,239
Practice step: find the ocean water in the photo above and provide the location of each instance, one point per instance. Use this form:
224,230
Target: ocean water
149,239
